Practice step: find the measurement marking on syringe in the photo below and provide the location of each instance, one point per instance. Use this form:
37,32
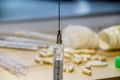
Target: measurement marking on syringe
58,69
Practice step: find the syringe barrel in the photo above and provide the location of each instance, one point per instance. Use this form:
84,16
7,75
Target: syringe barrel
58,62
58,52
12,66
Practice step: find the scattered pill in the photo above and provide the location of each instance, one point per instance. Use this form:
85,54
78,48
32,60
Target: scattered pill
66,55
96,63
50,51
86,71
76,55
70,69
49,54
37,59
42,54
47,61
87,67
102,58
72,54
77,60
64,68
84,59
86,56
88,51
69,50
43,50
95,57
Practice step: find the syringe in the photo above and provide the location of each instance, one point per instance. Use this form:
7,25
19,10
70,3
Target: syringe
58,53
58,62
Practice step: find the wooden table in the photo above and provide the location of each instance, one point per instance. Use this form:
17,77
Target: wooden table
45,72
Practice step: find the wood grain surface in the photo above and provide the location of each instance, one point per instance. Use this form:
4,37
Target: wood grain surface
45,72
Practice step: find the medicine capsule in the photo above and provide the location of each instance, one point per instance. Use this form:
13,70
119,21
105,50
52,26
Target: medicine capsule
102,58
77,60
77,55
97,63
87,67
42,54
47,61
69,51
49,54
95,57
37,59
66,55
86,71
70,69
84,59
86,56
64,68
43,50
88,51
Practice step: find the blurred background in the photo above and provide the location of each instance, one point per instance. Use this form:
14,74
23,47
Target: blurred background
40,14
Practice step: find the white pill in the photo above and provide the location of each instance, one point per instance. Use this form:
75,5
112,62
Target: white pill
47,61
70,51
86,71
102,58
66,55
43,50
37,59
49,54
50,50
87,51
76,55
70,69
95,57
42,54
96,63
86,56
77,60
64,68
87,67
84,59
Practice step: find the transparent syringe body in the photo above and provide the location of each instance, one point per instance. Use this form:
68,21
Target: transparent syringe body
58,61
12,66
